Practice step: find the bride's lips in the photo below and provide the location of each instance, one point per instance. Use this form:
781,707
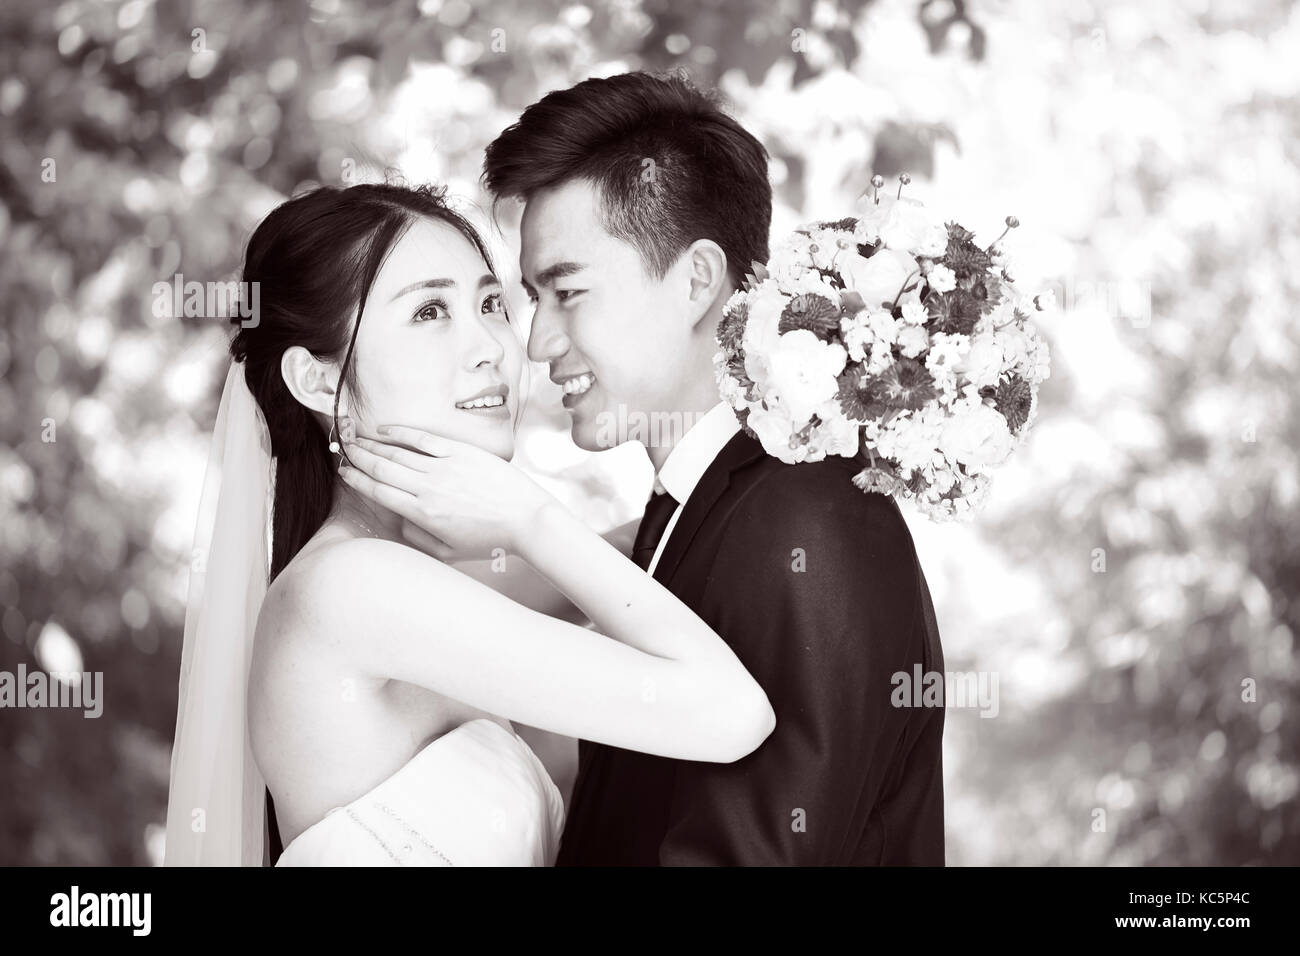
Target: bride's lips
489,402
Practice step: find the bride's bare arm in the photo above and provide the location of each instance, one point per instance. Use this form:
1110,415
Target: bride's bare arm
513,577
622,536
666,684
510,575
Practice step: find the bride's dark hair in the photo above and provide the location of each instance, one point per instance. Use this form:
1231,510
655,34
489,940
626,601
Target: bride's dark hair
315,258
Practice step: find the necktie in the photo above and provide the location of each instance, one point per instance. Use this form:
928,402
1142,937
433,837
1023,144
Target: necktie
658,510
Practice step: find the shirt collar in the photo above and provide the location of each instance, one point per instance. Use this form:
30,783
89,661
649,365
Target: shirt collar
695,451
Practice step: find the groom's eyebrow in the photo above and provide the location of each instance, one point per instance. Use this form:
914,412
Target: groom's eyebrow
483,281
557,271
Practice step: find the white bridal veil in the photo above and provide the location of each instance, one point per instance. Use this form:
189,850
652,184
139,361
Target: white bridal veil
216,811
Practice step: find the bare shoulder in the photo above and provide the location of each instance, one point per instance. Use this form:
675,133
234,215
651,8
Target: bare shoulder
325,593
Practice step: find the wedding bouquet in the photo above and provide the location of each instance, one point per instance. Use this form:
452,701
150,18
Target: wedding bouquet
892,337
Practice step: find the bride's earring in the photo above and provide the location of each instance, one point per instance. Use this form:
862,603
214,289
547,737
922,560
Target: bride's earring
347,431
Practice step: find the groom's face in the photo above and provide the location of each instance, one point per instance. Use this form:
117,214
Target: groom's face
616,337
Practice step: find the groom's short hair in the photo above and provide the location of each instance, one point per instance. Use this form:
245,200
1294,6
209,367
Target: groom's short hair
668,165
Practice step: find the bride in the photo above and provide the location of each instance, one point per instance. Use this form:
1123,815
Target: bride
356,677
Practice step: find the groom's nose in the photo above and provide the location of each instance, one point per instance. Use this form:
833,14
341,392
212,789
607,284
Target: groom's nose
547,340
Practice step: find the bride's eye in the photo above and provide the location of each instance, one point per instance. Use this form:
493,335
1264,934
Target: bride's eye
493,304
435,309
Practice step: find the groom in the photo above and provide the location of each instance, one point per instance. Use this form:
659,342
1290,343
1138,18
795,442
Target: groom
644,206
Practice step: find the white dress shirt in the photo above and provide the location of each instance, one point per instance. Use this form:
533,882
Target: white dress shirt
689,460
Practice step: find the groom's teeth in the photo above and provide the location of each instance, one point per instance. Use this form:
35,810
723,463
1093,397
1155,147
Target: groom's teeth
579,384
488,401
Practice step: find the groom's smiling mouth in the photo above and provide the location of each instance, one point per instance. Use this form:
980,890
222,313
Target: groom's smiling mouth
575,386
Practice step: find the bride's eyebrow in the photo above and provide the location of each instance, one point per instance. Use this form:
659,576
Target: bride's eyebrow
424,284
483,282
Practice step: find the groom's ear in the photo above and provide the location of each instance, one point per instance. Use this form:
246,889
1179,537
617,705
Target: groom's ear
311,381
708,276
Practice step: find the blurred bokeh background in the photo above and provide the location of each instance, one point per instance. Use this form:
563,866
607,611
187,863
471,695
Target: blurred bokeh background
1134,584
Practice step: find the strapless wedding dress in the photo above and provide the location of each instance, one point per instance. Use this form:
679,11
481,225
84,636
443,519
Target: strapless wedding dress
476,796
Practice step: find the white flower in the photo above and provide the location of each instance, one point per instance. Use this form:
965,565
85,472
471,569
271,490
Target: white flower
941,278
944,358
881,278
793,247
982,365
812,282
977,437
913,340
871,216
943,479
728,387
883,326
761,330
796,239
903,224
879,330
935,241
909,226
857,336
879,361
1016,347
836,435
773,427
1039,365
788,262
914,313
802,370
1002,314
824,248
912,440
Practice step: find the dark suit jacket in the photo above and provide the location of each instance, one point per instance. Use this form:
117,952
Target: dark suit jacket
846,778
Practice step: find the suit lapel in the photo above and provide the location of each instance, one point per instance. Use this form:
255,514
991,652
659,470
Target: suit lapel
738,452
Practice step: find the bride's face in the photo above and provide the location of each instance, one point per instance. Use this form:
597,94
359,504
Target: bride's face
436,350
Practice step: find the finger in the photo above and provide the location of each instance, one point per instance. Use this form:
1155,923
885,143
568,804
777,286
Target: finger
383,470
403,456
422,441
397,501
428,543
